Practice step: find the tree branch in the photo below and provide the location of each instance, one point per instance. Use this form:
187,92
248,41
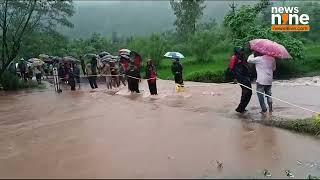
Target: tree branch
17,42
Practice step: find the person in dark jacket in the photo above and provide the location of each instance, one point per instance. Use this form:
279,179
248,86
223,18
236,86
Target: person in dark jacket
83,65
151,75
91,76
239,68
177,69
76,72
133,77
23,69
71,79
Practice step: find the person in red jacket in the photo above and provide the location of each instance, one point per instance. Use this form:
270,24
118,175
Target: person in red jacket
151,75
238,67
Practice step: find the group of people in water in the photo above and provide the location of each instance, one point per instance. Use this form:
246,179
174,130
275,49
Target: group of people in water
114,73
128,72
265,65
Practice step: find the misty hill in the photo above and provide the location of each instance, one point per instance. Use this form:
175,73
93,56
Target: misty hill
127,18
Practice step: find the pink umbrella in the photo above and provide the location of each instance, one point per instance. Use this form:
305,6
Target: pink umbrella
271,48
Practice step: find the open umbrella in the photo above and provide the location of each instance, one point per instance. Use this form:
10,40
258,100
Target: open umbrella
36,62
43,56
70,59
125,51
90,55
106,58
56,59
125,56
104,53
174,55
271,48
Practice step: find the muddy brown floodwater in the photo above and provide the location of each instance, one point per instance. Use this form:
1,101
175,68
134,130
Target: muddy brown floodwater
99,134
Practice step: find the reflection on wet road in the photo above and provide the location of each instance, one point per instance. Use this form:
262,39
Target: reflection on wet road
99,134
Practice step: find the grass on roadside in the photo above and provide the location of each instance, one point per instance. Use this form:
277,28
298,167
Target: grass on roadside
308,126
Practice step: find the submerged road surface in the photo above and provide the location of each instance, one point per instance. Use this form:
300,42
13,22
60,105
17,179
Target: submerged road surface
99,134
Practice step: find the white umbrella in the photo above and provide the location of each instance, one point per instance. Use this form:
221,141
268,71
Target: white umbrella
43,56
125,51
70,59
90,55
36,62
174,55
104,53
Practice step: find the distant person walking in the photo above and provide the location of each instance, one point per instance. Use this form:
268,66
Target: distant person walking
239,69
265,65
91,76
151,75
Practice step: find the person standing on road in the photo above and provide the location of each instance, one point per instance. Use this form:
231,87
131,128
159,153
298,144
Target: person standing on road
265,65
240,71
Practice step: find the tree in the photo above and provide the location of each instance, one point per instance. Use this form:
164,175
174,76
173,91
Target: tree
188,12
18,18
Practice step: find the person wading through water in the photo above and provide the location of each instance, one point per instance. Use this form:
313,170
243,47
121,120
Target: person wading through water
91,76
71,79
265,65
238,67
151,75
107,72
133,77
176,70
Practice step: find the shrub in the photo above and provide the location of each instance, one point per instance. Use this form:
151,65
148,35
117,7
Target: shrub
10,82
207,76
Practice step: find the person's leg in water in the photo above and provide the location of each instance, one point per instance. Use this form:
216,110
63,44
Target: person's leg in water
38,77
95,81
245,97
72,84
260,88
123,80
91,82
78,81
137,86
267,90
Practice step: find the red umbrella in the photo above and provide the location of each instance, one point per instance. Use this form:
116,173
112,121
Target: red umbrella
271,48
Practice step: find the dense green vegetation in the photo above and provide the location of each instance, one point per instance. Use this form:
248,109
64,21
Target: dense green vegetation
207,46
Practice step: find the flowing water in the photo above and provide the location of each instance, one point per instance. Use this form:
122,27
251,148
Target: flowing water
99,134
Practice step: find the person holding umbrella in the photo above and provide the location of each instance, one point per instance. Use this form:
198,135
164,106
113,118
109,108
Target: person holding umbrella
239,69
176,70
264,54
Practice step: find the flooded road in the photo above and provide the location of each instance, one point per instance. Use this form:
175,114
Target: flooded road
99,134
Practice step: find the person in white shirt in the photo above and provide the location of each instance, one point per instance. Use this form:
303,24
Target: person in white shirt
265,65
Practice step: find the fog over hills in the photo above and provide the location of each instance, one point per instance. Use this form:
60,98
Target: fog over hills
127,18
